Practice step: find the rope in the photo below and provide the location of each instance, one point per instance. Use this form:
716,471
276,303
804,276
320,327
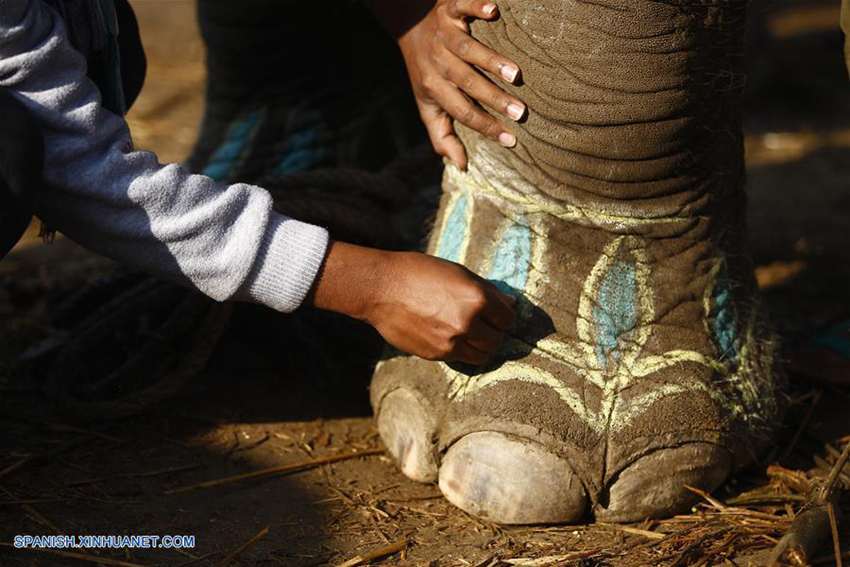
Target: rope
82,390
154,364
355,205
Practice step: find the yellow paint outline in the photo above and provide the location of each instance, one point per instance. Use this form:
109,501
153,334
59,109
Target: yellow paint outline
584,364
532,202
518,197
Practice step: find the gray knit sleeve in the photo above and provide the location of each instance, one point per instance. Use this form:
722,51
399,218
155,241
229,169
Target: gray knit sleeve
289,260
224,241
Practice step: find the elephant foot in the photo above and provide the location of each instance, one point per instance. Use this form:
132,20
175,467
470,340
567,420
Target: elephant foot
656,485
507,479
510,480
515,480
641,368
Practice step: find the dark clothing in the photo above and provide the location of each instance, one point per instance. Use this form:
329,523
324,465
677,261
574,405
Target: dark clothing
131,54
294,86
118,70
845,25
106,33
21,167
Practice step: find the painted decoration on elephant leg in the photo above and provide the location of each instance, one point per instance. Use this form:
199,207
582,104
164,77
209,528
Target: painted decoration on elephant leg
615,316
616,307
454,232
511,259
616,313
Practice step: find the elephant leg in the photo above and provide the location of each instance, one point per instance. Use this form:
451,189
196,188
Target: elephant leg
642,362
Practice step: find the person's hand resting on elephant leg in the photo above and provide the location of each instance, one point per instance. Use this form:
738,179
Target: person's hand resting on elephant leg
435,309
440,53
443,62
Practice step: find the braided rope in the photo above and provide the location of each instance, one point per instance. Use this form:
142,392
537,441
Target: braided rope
357,206
116,394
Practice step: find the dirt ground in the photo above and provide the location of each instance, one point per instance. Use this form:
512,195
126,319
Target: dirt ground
247,412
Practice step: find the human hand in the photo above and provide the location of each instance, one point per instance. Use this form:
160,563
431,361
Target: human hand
423,305
440,54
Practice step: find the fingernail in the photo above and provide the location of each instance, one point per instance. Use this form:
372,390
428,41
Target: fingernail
507,139
515,111
509,73
489,9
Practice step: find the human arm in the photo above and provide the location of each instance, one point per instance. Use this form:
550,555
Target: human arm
420,304
441,58
224,241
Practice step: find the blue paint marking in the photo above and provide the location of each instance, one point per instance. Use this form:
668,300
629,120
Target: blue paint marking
234,145
723,324
450,245
512,260
616,312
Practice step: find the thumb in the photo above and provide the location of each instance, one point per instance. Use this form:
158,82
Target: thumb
508,298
